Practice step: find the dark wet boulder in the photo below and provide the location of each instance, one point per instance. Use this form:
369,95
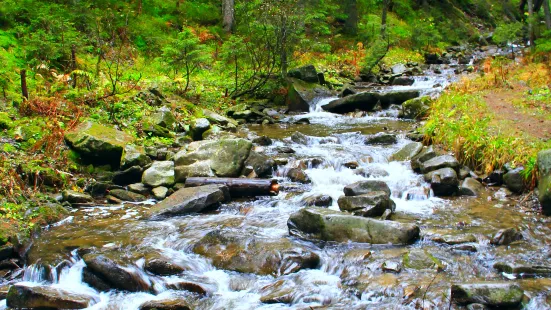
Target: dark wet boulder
327,225
125,278
506,236
361,101
198,127
161,173
263,141
381,139
21,296
189,200
76,197
318,201
416,108
167,304
544,181
443,182
95,281
125,195
243,253
298,175
222,158
514,180
128,176
162,266
365,187
397,97
261,164
306,73
402,81
488,294
455,239
494,178
439,162
301,93
523,270
134,156
470,187
97,143
299,138
373,204
408,151
192,286
347,91
426,154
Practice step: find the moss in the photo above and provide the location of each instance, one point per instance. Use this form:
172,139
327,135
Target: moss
5,121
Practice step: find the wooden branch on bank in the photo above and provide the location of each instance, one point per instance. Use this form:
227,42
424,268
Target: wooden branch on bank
240,187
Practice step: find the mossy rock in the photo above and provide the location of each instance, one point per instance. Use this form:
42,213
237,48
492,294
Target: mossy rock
38,172
98,143
422,259
416,108
5,121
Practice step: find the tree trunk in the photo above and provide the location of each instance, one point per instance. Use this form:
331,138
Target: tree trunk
351,24
547,12
383,18
531,23
74,64
240,187
228,12
24,90
283,54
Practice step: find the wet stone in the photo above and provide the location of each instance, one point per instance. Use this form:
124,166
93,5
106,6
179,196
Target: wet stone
300,138
285,150
166,304
159,192
76,197
191,286
365,187
422,259
116,276
455,239
263,140
444,182
506,236
297,175
139,188
21,296
523,270
163,267
127,196
470,187
488,294
514,180
381,139
390,266
318,201
465,248
373,204
408,151
444,161
128,176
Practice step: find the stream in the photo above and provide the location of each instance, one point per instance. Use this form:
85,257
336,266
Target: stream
350,275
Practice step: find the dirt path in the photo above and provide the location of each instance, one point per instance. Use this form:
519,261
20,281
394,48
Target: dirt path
522,122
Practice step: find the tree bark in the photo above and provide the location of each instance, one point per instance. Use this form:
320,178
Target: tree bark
24,90
228,12
239,187
531,23
351,24
547,12
383,18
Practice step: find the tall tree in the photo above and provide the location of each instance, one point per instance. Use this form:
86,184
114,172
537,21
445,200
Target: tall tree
547,12
228,12
351,10
531,23
386,4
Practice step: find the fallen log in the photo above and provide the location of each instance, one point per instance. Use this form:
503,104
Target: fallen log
239,187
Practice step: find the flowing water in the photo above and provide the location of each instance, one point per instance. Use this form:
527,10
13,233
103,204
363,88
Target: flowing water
349,275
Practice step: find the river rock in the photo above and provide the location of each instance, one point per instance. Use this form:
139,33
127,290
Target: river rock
470,187
402,81
134,156
365,187
125,195
166,304
523,270
163,118
224,158
297,175
98,143
159,192
21,296
514,180
408,151
422,259
506,236
426,154
299,138
455,239
197,169
263,141
373,204
544,181
215,118
128,176
116,276
241,252
162,266
262,165
362,101
161,173
489,294
398,69
76,197
381,139
444,182
439,162
301,93
327,225
191,286
318,201
198,127
189,200
306,73
397,97
416,108
139,188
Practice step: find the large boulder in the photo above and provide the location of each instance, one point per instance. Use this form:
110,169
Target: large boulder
381,138
198,127
489,294
362,101
416,108
397,97
189,200
471,187
306,73
408,151
224,158
423,156
444,182
161,173
327,225
544,181
163,118
260,163
523,270
365,187
114,275
134,156
21,296
243,253
372,204
98,143
76,197
514,180
439,162
215,118
301,93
